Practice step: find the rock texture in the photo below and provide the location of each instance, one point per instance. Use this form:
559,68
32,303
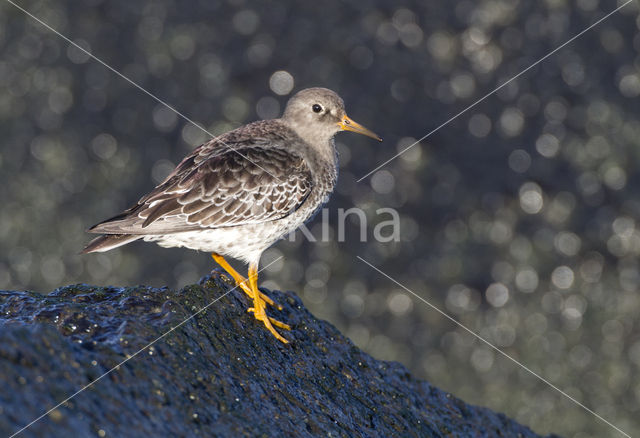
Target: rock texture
217,374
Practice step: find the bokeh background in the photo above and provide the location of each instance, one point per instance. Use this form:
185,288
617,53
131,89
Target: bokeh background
519,218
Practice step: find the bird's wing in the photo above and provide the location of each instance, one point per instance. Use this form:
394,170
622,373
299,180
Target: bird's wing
247,180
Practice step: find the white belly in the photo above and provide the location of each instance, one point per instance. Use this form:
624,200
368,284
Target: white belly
244,243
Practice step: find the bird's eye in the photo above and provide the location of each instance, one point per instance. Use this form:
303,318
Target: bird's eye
316,108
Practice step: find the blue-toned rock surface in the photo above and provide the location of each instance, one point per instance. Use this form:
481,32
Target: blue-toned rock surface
220,373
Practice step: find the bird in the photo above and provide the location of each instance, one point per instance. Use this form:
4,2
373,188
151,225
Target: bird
237,194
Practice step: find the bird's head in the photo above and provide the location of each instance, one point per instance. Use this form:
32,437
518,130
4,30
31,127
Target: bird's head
318,114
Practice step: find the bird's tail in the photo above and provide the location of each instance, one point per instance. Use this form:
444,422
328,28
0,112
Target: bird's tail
109,241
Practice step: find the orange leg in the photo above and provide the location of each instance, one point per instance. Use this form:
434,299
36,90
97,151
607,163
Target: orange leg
241,282
258,308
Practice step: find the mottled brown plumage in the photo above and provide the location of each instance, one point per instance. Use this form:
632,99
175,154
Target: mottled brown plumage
238,193
259,178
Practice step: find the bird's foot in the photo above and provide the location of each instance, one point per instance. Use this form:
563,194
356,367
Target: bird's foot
269,322
242,282
244,285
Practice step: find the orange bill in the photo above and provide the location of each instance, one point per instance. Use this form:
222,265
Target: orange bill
346,124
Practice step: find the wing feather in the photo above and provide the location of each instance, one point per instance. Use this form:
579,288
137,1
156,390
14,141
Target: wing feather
248,179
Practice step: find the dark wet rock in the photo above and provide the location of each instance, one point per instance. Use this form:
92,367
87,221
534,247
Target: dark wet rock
219,373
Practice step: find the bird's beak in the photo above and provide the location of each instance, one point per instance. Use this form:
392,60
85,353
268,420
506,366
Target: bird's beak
346,124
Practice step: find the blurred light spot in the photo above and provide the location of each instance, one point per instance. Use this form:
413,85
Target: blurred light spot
521,248
634,353
560,208
536,323
60,100
611,40
519,161
479,125
503,335
193,135
588,5
617,246
547,145
104,146
497,294
387,33
399,304
52,269
629,85
527,279
281,82
161,169
99,266
164,118
273,260
318,271
463,85
613,330
268,108
185,272
411,35
382,182
352,305
580,356
500,232
435,363
260,51
486,59
412,155
5,277
589,185
402,17
623,226
562,277
576,302
567,243
246,22
598,146
460,298
615,177
591,267
442,46
382,347
573,318
409,229
482,359
182,47
531,200
555,111
552,302
573,73
76,55
511,122
235,109
43,148
315,291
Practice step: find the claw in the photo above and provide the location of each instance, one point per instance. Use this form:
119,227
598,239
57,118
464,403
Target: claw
273,321
266,320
